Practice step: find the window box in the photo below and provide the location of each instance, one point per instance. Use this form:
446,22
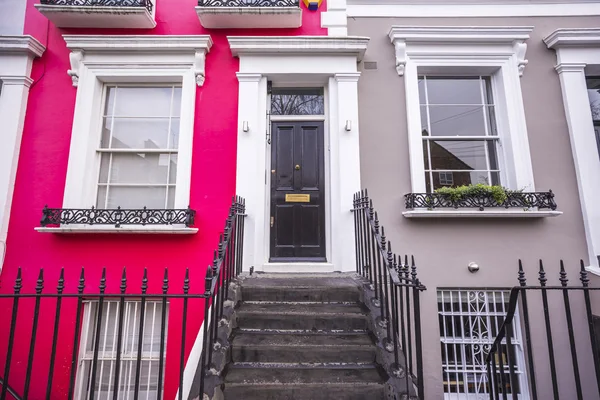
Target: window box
220,14
517,204
99,13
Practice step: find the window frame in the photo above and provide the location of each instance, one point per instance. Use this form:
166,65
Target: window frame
497,52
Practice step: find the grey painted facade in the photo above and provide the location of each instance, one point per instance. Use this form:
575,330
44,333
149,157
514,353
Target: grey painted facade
12,17
444,247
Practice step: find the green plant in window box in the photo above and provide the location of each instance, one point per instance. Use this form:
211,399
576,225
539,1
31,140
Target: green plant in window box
498,193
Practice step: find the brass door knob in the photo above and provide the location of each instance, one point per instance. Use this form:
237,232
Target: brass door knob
297,167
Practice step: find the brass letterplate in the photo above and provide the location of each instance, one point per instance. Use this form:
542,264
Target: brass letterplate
297,198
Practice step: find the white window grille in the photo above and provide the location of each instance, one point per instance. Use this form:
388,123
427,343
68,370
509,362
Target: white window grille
139,146
107,351
458,127
469,322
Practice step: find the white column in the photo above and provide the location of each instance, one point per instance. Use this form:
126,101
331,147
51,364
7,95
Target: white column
251,165
345,167
585,151
335,18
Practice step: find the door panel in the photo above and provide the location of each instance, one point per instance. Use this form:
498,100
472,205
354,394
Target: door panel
297,192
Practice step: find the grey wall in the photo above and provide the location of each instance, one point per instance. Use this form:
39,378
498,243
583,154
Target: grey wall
444,247
12,17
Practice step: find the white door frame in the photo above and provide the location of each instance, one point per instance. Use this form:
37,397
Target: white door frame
315,61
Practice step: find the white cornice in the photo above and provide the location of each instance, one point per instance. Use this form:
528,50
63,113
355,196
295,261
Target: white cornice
573,38
169,43
305,45
460,34
19,44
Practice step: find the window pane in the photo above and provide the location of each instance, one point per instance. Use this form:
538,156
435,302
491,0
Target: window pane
487,90
139,168
101,197
136,197
173,168
458,155
457,121
424,122
454,90
175,112
138,133
492,154
104,166
441,178
422,90
594,96
491,116
297,102
174,134
426,154
171,197
143,101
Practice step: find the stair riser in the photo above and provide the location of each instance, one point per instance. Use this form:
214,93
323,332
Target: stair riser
303,322
329,295
304,355
374,392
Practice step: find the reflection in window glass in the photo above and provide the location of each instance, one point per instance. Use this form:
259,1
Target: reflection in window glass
138,147
297,101
459,131
593,85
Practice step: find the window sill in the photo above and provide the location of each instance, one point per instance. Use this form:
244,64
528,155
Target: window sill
593,270
87,229
423,213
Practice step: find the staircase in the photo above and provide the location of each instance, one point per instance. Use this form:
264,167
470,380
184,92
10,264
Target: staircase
302,337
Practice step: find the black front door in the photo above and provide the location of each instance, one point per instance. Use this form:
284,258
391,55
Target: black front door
297,192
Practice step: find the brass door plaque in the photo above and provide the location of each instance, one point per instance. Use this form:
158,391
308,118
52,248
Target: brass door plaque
297,198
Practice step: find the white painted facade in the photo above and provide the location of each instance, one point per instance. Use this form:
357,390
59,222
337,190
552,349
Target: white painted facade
578,55
327,62
16,59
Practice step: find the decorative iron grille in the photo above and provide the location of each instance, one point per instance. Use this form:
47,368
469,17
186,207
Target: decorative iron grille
117,217
513,200
101,3
249,3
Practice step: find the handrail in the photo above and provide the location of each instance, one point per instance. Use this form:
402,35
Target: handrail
395,285
499,383
10,390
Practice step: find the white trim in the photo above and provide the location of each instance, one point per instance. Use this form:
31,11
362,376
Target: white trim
471,8
324,61
495,51
298,267
88,229
355,46
16,59
576,51
479,214
102,59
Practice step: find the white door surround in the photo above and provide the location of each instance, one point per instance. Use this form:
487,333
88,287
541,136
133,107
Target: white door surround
318,61
578,55
16,59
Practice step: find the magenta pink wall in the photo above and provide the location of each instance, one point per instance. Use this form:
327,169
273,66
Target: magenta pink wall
41,178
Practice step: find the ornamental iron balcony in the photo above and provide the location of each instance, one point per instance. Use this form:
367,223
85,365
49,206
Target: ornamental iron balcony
540,200
99,13
227,14
117,216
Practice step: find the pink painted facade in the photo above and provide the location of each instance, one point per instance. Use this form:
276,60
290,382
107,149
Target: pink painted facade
41,178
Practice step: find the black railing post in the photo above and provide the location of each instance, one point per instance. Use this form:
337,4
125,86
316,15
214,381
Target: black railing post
59,290
138,364
186,288
590,322
418,339
122,288
11,335
163,331
542,278
102,288
530,364
208,280
510,361
36,313
80,289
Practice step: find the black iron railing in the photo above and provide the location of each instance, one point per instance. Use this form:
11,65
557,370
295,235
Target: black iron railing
578,360
148,4
396,289
481,202
38,321
249,3
117,216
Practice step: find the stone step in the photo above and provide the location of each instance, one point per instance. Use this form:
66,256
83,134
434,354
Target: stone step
303,348
303,382
310,317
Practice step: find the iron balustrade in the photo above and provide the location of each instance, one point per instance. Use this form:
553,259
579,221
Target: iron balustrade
148,4
541,344
543,200
397,290
42,323
117,216
248,3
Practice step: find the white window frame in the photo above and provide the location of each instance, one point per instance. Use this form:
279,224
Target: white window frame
100,60
479,309
498,52
87,334
446,181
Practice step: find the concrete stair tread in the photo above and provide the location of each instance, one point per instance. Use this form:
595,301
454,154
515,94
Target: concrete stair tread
260,339
302,309
300,281
301,373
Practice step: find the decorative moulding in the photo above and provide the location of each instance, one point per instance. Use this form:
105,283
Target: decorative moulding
98,16
21,44
573,38
196,46
410,40
278,45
